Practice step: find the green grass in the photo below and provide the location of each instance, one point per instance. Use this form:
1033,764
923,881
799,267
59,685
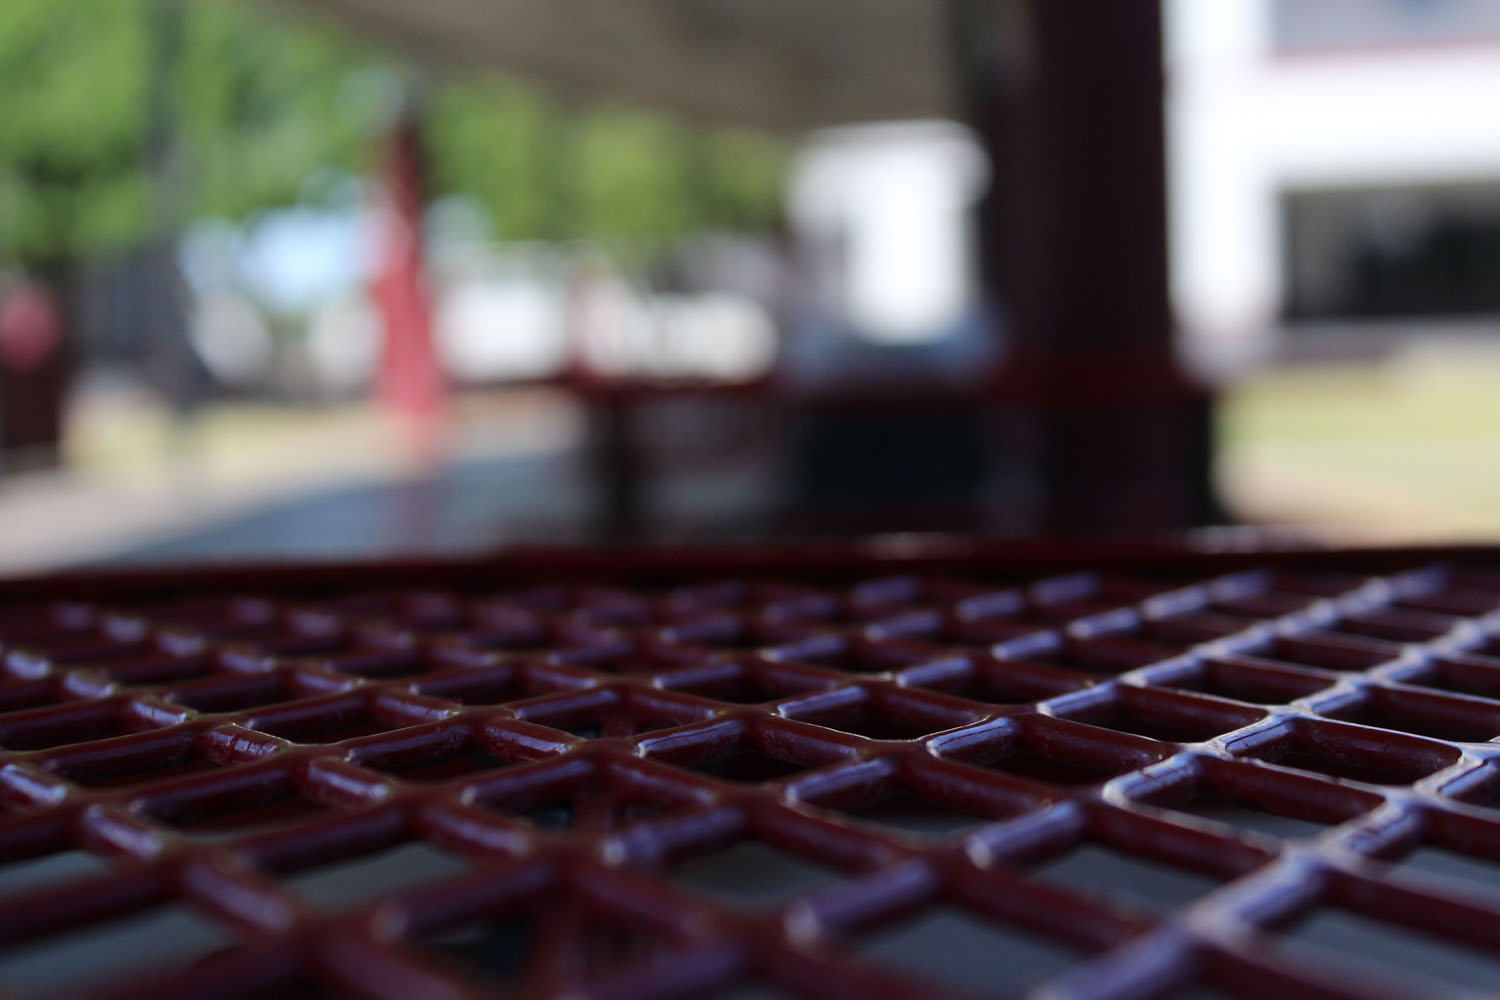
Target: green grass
1404,448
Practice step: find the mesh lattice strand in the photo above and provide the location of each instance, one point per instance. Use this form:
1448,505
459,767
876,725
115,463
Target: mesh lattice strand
1180,777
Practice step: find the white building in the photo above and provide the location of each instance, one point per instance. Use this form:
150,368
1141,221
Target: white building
1322,152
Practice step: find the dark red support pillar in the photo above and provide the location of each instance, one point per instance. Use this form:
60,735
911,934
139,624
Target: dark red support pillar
1068,97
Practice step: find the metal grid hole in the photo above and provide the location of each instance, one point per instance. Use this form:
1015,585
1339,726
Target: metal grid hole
1182,780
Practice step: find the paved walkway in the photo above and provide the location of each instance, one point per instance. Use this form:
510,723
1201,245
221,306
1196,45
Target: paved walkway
463,507
270,484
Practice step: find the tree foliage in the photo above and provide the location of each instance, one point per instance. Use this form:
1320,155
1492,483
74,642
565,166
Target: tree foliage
72,83
258,102
547,171
262,103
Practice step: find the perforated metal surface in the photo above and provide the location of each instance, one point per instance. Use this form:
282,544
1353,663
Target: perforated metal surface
1159,780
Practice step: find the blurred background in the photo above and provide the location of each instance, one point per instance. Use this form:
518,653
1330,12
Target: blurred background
339,277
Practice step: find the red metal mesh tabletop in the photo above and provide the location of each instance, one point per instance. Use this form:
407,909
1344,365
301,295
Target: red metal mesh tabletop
1185,777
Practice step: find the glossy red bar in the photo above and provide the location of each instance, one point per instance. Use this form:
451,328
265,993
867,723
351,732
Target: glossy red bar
935,769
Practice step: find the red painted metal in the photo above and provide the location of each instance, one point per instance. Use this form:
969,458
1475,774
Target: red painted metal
543,746
410,381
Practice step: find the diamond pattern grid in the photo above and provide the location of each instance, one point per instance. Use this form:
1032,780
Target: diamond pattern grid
890,778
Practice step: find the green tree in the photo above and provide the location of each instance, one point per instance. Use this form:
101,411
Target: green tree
254,105
543,170
496,140
73,83
263,103
122,119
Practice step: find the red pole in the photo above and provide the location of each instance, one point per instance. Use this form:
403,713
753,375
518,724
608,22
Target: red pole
33,376
409,382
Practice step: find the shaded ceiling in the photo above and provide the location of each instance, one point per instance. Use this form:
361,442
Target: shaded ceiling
785,65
